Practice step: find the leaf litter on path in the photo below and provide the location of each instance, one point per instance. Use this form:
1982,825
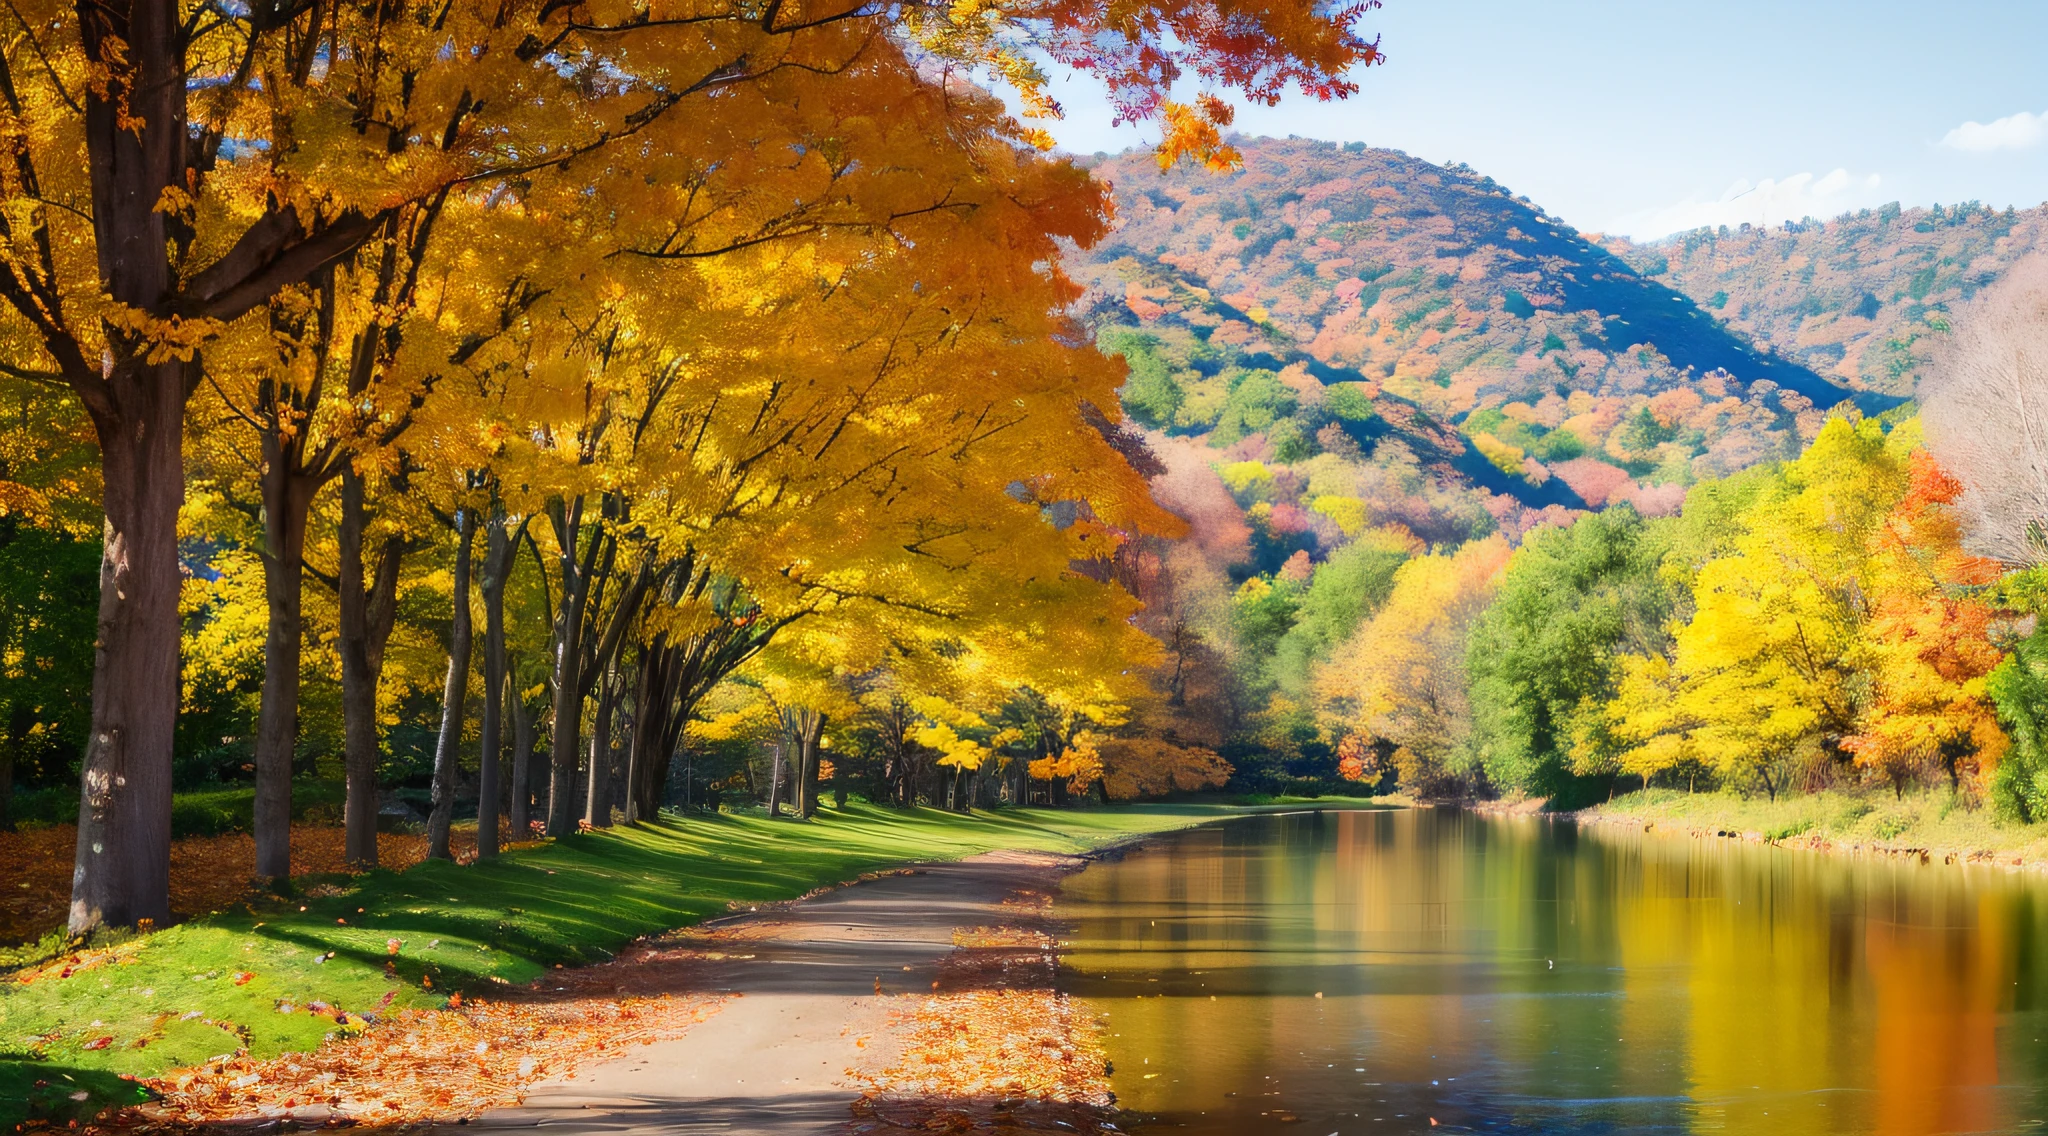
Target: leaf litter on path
995,1047
419,1066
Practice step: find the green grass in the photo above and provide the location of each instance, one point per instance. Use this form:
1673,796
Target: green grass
1933,820
570,902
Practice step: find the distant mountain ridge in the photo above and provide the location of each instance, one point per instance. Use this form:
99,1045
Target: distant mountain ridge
1857,299
1392,300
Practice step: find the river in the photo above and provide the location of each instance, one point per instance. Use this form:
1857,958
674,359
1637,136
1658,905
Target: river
1367,972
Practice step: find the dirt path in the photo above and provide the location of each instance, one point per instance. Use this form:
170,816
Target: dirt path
821,1000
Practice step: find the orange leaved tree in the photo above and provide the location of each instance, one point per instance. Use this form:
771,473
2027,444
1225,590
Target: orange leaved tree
177,164
1927,646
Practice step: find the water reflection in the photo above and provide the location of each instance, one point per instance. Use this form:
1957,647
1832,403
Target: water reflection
1370,972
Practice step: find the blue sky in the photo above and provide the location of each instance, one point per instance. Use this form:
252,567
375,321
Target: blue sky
1655,116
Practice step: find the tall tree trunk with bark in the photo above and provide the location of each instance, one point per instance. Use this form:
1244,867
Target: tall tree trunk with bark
454,697
287,500
653,694
568,664
672,675
522,756
136,138
566,728
498,549
810,727
122,873
597,796
775,782
367,607
358,685
133,381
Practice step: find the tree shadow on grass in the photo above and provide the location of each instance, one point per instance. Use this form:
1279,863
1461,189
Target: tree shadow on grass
38,1093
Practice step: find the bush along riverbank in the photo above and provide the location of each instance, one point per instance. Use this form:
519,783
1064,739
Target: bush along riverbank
1929,825
77,1032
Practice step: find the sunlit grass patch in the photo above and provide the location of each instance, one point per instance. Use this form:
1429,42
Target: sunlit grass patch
1935,820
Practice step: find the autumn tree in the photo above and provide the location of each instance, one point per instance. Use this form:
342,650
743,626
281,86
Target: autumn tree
176,168
1928,647
1400,679
764,440
1143,766
1543,658
1765,675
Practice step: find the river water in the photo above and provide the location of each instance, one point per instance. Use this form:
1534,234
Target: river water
1369,972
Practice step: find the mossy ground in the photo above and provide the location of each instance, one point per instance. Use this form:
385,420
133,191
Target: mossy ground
214,985
1938,821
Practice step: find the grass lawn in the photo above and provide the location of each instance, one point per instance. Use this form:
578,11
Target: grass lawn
1932,819
216,985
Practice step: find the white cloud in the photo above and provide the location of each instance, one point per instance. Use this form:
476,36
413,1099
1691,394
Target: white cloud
2013,132
1768,202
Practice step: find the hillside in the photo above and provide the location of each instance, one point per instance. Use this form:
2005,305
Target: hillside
1357,319
1854,298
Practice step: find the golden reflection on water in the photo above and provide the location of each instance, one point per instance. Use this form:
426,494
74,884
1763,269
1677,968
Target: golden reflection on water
1368,972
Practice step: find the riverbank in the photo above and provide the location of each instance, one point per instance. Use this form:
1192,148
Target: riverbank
1932,827
357,953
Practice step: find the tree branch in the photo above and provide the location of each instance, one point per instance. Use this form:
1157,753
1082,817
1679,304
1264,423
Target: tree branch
273,253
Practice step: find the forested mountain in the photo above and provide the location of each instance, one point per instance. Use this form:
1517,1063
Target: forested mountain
1324,299
1854,298
1369,378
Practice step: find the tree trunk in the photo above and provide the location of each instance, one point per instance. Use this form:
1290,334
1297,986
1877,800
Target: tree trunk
775,784
597,797
123,869
807,770
358,686
650,745
649,722
567,727
454,696
522,757
498,549
367,608
565,732
135,137
287,499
